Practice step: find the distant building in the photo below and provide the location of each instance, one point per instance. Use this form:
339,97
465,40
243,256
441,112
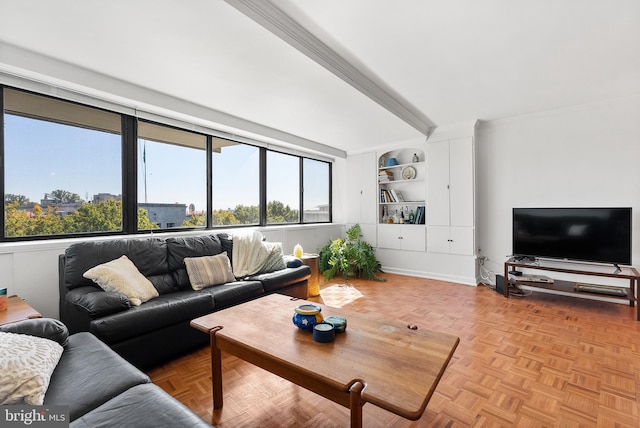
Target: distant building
104,197
321,213
165,216
63,208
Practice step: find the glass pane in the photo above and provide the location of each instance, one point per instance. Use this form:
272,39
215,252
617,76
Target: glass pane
236,183
172,178
315,191
283,188
63,170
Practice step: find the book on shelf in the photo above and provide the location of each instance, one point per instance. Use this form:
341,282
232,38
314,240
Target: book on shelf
396,195
419,215
385,176
385,196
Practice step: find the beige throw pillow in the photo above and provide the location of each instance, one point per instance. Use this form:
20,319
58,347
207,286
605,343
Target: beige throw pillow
26,364
123,276
209,270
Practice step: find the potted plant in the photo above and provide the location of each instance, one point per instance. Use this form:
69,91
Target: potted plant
351,256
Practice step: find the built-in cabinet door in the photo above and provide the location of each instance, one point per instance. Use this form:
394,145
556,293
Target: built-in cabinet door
401,237
389,236
462,240
438,184
438,239
450,240
413,238
450,170
361,189
461,175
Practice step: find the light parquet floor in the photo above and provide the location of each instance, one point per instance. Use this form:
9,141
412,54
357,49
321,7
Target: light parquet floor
538,361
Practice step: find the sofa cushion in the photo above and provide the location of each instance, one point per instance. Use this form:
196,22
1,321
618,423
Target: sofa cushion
282,278
96,302
25,367
47,328
191,246
123,276
207,271
232,293
148,254
89,374
162,311
143,406
227,244
275,257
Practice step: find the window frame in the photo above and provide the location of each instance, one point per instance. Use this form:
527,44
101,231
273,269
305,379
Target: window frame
129,156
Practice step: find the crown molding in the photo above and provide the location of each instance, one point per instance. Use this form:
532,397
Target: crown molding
268,15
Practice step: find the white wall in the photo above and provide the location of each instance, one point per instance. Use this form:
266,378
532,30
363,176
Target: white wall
30,269
582,156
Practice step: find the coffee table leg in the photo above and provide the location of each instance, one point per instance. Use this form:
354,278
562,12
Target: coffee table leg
216,371
356,403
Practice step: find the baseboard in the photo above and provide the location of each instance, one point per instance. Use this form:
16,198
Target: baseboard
431,275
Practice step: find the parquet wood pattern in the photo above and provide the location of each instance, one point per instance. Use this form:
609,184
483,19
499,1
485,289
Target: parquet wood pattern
537,361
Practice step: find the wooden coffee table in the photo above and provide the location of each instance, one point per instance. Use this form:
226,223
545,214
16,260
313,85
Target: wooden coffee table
375,361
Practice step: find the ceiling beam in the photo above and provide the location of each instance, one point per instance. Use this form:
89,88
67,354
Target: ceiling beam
265,13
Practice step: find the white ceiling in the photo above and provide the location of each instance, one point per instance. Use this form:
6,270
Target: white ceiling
452,60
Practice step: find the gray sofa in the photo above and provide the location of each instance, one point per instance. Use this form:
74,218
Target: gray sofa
158,329
100,388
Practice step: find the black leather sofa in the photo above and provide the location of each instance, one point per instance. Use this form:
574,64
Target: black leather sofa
100,388
158,329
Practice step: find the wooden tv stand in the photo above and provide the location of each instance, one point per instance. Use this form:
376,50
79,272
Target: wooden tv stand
568,287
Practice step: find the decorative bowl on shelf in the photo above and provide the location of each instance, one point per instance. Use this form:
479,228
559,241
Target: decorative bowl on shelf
392,162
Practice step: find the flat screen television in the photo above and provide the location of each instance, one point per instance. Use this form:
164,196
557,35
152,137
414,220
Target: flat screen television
600,235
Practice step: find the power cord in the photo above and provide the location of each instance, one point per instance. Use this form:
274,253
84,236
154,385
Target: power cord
486,275
487,278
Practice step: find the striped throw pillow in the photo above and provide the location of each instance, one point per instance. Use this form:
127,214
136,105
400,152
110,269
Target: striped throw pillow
209,270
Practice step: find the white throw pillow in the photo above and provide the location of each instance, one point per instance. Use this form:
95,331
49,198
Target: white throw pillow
275,258
26,365
207,271
123,276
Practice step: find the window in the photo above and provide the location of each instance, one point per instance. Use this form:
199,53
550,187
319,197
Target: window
62,167
172,178
71,169
236,183
283,188
315,191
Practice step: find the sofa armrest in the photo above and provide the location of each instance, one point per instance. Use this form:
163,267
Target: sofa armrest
97,302
276,280
47,328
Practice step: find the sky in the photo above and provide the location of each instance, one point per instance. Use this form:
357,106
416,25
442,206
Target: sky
42,156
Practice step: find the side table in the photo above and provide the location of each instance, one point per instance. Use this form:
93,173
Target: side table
17,310
311,260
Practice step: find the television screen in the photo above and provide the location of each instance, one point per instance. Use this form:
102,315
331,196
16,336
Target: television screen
582,234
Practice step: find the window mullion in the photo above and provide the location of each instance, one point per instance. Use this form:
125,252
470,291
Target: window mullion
129,174
263,186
